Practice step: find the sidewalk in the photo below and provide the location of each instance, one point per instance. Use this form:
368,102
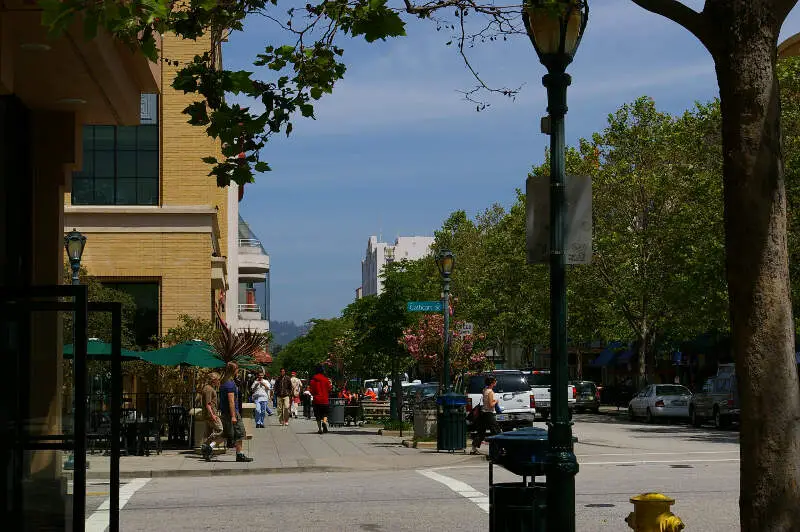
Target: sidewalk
293,449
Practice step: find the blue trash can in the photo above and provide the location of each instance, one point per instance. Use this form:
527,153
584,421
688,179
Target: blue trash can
451,420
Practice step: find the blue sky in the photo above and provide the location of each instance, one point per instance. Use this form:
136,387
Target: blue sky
395,149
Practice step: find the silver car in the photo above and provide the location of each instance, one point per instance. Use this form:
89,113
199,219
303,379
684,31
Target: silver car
660,400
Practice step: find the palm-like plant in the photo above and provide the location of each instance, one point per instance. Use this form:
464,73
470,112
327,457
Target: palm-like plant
238,346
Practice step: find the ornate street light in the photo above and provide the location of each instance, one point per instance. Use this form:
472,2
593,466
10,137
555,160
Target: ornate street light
74,242
556,28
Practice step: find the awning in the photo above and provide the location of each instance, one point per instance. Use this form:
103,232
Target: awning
624,357
192,353
607,355
97,349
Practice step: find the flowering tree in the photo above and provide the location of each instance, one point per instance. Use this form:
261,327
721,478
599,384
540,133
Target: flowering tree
424,341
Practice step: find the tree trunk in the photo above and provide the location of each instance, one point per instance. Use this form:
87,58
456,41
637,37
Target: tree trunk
744,48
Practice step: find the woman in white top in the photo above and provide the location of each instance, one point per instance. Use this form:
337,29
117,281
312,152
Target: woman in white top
260,392
487,419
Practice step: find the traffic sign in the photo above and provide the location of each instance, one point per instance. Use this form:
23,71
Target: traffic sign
424,306
467,328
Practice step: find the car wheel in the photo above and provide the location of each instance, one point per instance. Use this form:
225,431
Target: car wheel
720,422
649,416
631,415
696,421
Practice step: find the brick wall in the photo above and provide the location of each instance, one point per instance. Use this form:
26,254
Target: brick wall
177,260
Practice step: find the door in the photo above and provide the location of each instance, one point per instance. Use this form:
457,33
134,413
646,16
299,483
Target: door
45,465
704,400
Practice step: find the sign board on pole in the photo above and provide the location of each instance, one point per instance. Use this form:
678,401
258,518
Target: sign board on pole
424,306
466,328
579,219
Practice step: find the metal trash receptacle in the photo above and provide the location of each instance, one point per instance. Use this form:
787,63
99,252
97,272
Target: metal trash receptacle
336,414
451,420
518,507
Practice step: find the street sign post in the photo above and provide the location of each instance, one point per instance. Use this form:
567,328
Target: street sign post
424,306
466,329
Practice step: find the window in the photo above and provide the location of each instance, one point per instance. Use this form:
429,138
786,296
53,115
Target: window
672,389
120,166
539,378
145,320
722,385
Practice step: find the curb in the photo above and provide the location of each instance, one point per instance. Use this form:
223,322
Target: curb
420,444
173,473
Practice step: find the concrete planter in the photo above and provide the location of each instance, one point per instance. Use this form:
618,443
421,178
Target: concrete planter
249,418
425,423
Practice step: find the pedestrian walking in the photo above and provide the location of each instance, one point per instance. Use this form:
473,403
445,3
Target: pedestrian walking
214,432
307,398
260,392
272,392
230,407
487,419
320,387
297,387
283,390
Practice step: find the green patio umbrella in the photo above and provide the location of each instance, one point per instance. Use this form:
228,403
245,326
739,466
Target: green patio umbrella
192,353
97,349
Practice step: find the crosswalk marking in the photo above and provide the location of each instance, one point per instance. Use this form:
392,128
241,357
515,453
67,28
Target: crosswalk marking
462,488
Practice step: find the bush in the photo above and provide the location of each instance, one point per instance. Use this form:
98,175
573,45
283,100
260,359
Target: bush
390,424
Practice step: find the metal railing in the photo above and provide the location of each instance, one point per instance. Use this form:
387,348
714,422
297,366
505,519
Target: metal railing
250,307
251,243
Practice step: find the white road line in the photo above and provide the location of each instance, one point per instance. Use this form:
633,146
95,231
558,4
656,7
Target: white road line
657,453
98,521
462,488
645,462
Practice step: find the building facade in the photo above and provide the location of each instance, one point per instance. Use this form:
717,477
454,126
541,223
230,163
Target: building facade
157,226
50,88
380,253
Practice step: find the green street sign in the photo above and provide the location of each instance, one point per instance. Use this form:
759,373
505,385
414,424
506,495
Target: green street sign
424,306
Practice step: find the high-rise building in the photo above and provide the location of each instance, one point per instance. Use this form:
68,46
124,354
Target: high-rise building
380,253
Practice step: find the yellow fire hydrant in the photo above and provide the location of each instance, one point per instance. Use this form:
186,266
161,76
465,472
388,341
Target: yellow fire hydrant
651,514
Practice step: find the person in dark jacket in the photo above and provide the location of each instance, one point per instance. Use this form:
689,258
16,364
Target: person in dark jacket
321,387
283,389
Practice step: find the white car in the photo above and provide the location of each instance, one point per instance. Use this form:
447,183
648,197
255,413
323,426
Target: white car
660,400
512,393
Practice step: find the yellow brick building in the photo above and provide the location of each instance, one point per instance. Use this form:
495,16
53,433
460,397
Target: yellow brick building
156,224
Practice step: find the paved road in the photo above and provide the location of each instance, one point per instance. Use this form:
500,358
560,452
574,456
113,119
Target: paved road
699,467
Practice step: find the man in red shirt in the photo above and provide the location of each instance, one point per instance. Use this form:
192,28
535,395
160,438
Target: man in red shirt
321,387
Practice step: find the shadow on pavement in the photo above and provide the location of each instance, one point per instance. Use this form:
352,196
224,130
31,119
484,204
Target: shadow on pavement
689,433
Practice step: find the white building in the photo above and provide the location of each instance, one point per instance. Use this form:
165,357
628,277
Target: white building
380,253
248,298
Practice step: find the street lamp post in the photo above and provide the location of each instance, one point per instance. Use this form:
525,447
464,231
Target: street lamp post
555,28
74,242
445,260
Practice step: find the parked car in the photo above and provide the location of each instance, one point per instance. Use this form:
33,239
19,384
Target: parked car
718,400
540,381
660,400
588,396
512,392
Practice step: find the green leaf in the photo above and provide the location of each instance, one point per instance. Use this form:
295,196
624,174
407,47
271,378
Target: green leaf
261,166
316,93
210,160
307,110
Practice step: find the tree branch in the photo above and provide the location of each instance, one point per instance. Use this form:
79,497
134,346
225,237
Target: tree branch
679,13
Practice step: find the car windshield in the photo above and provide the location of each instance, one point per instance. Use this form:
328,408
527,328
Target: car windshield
537,378
672,389
582,387
506,383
